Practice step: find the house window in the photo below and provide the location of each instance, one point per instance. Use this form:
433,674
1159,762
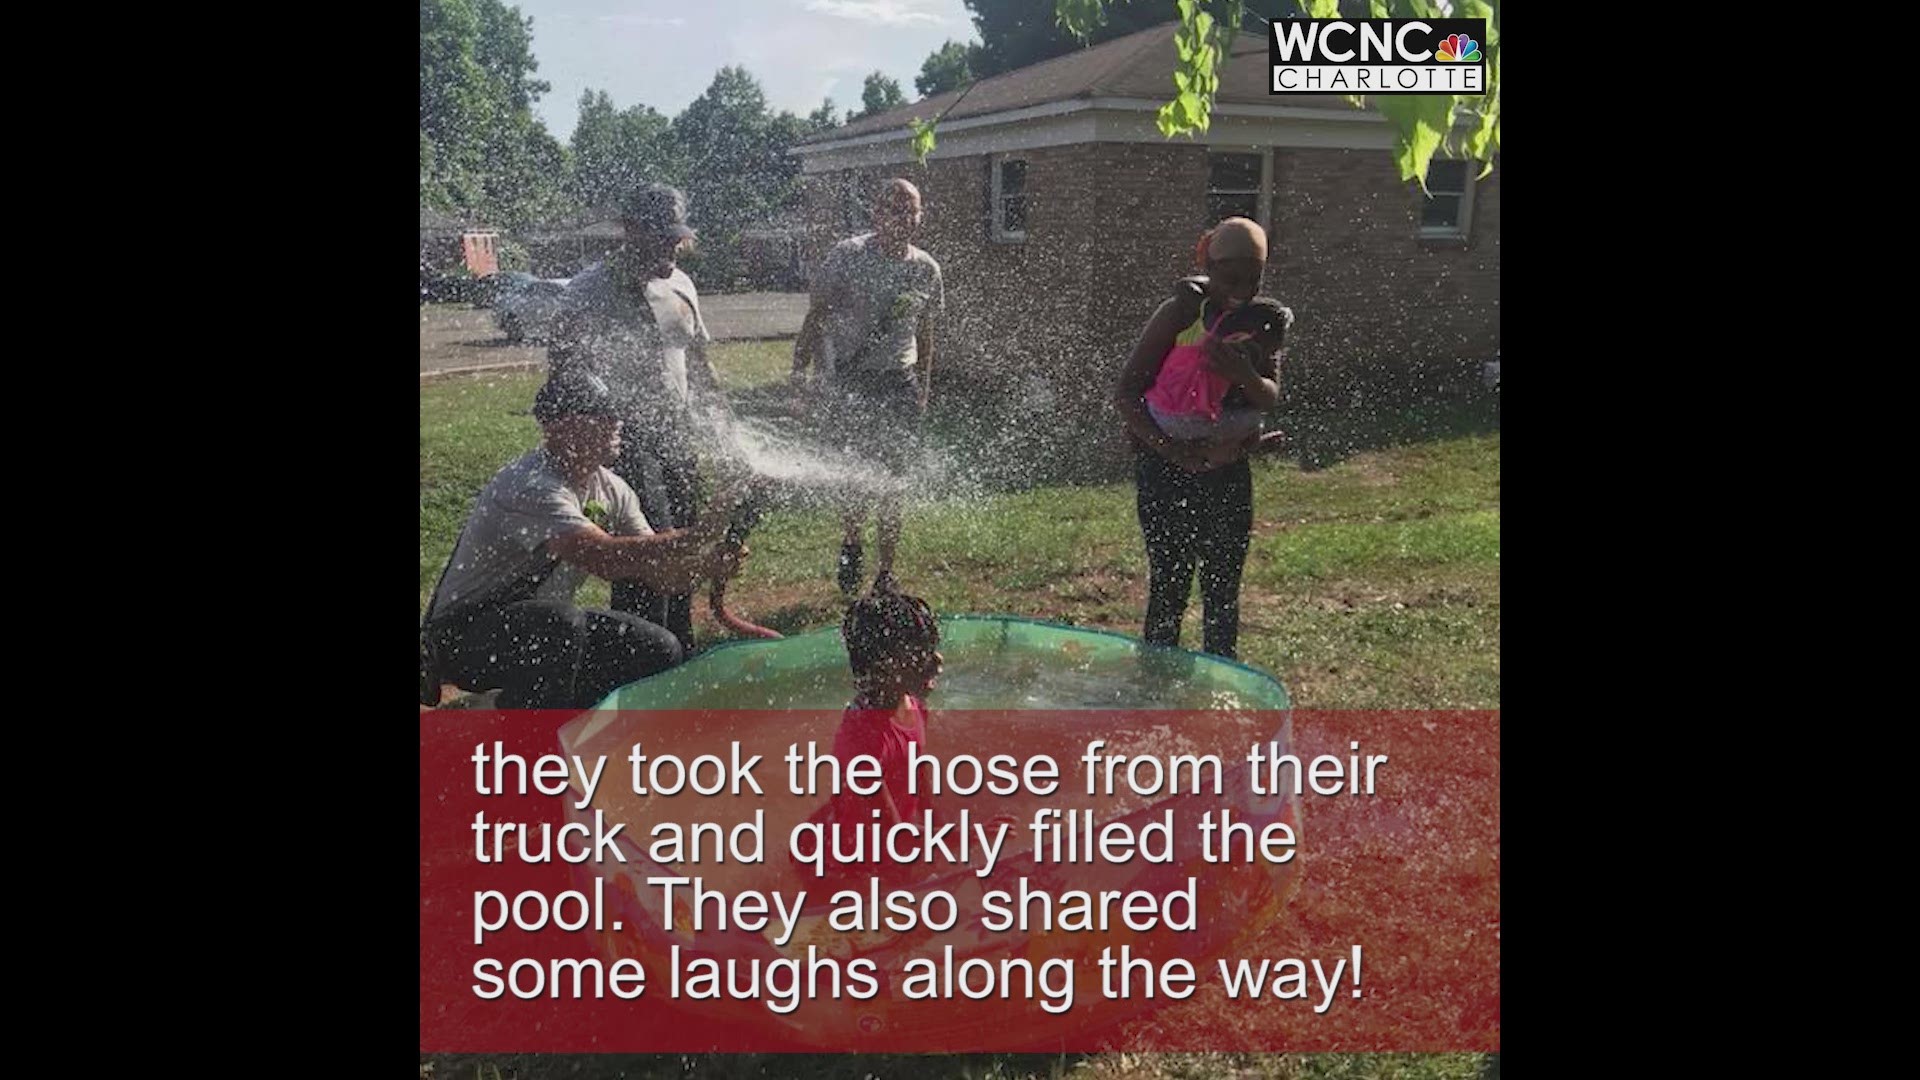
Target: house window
1010,199
1448,207
1235,186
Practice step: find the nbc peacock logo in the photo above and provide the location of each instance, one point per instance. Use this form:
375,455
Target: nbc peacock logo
1459,48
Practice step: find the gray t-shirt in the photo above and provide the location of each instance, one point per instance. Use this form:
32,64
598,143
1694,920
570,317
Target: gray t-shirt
641,352
878,305
521,508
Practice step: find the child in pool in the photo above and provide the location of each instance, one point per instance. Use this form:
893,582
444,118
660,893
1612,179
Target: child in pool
893,644
893,648
1188,400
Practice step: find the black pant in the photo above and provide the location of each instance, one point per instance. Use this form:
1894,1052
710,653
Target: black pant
549,654
1187,519
660,466
875,415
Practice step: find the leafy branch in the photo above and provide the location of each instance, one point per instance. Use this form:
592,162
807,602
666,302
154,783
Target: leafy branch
923,138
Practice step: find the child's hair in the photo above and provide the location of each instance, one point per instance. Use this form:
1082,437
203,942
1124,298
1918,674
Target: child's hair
1263,317
884,624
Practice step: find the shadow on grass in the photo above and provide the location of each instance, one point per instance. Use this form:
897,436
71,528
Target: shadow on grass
503,343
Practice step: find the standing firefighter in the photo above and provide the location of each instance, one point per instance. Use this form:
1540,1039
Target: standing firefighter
868,336
634,320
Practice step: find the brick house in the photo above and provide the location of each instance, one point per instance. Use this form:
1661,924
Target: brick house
1061,217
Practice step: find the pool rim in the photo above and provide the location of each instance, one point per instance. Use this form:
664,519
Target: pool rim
1028,620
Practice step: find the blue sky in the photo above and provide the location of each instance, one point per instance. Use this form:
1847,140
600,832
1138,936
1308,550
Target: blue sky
663,53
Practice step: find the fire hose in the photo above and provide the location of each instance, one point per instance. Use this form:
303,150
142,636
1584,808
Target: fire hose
745,517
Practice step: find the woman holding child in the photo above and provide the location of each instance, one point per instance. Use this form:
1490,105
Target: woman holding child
1192,394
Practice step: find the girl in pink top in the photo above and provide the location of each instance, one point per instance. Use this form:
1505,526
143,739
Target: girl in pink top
893,647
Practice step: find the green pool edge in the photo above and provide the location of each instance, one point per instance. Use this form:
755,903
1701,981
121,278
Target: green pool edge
668,680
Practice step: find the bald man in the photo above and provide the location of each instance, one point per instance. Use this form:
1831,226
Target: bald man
868,340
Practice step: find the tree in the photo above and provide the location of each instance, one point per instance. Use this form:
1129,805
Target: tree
880,94
733,159
596,149
483,153
1015,33
822,118
615,151
946,68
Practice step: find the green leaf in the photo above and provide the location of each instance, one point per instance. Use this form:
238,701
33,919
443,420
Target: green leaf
1323,9
923,138
1481,9
1377,9
1080,17
1419,122
1168,123
1484,142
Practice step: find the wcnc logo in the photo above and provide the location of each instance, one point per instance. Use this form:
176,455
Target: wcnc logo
1377,56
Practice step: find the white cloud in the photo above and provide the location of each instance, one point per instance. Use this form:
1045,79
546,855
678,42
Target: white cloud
883,12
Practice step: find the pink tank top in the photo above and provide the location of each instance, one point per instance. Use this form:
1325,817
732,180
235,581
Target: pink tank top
1186,385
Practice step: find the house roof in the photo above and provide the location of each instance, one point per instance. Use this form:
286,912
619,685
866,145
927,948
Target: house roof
588,226
440,221
1139,65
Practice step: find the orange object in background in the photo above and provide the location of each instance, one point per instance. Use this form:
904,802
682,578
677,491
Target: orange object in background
480,252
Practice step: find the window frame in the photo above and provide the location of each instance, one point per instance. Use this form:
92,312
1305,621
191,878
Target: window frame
1463,228
1263,196
996,198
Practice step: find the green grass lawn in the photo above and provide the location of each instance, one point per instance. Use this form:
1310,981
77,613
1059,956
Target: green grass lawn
743,364
1371,584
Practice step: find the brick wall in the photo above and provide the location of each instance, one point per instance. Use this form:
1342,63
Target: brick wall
1037,331
1380,311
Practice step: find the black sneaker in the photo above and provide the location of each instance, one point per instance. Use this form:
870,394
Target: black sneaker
849,568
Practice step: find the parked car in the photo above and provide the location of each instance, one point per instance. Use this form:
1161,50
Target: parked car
488,290
525,309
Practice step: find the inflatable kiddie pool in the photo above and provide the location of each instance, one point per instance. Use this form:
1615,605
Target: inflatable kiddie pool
1011,686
